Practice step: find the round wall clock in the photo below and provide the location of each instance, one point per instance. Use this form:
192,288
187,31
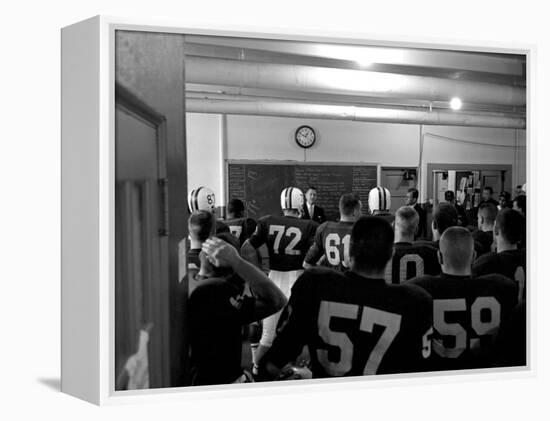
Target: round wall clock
305,136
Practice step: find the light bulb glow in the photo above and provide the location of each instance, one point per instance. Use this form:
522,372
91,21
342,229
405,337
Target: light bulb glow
456,103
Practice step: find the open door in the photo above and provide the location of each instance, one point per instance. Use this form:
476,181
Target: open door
141,228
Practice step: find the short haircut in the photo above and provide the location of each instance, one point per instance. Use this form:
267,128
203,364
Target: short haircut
201,224
522,203
488,211
511,225
406,220
488,188
449,195
235,207
311,188
414,192
349,202
456,246
371,244
444,216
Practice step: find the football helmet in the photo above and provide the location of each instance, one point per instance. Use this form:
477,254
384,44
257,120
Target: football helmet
292,198
379,199
201,198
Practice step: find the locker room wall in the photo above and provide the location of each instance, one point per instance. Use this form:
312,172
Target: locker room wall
256,138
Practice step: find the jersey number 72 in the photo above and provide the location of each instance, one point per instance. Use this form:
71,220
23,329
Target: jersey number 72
278,231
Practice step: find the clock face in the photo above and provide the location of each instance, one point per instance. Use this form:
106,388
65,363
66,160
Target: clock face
305,136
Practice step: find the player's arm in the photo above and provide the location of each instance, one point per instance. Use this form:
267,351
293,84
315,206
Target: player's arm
250,254
316,251
292,331
268,298
249,249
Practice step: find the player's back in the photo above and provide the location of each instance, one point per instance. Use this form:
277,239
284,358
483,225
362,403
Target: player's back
287,238
355,326
510,263
242,228
485,241
332,239
467,312
411,260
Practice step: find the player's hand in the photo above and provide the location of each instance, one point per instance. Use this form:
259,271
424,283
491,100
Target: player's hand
295,373
220,253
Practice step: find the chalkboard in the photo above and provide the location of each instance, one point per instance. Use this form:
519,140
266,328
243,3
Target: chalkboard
259,185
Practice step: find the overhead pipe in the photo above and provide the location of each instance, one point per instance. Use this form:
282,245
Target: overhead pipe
352,113
289,77
367,102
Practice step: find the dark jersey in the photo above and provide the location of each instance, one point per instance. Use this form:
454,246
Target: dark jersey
467,313
288,239
512,338
510,263
221,227
332,241
411,260
386,215
485,241
353,326
242,228
218,309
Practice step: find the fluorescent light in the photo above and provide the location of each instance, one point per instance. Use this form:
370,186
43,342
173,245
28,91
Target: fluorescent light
456,103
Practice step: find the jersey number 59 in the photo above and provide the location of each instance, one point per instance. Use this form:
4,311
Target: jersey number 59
489,326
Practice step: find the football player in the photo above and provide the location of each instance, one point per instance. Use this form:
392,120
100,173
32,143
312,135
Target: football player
486,214
219,308
288,238
200,225
380,203
467,311
354,323
239,225
332,238
203,198
509,260
410,260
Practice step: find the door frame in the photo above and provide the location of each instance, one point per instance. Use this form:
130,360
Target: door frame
160,297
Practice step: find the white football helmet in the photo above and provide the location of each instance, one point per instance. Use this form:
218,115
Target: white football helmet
379,199
201,198
292,198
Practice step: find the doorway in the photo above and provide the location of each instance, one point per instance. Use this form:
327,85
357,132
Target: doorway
398,181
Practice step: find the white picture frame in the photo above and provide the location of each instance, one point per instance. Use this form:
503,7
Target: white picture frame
88,215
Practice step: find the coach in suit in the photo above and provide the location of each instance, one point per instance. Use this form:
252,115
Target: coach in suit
310,210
